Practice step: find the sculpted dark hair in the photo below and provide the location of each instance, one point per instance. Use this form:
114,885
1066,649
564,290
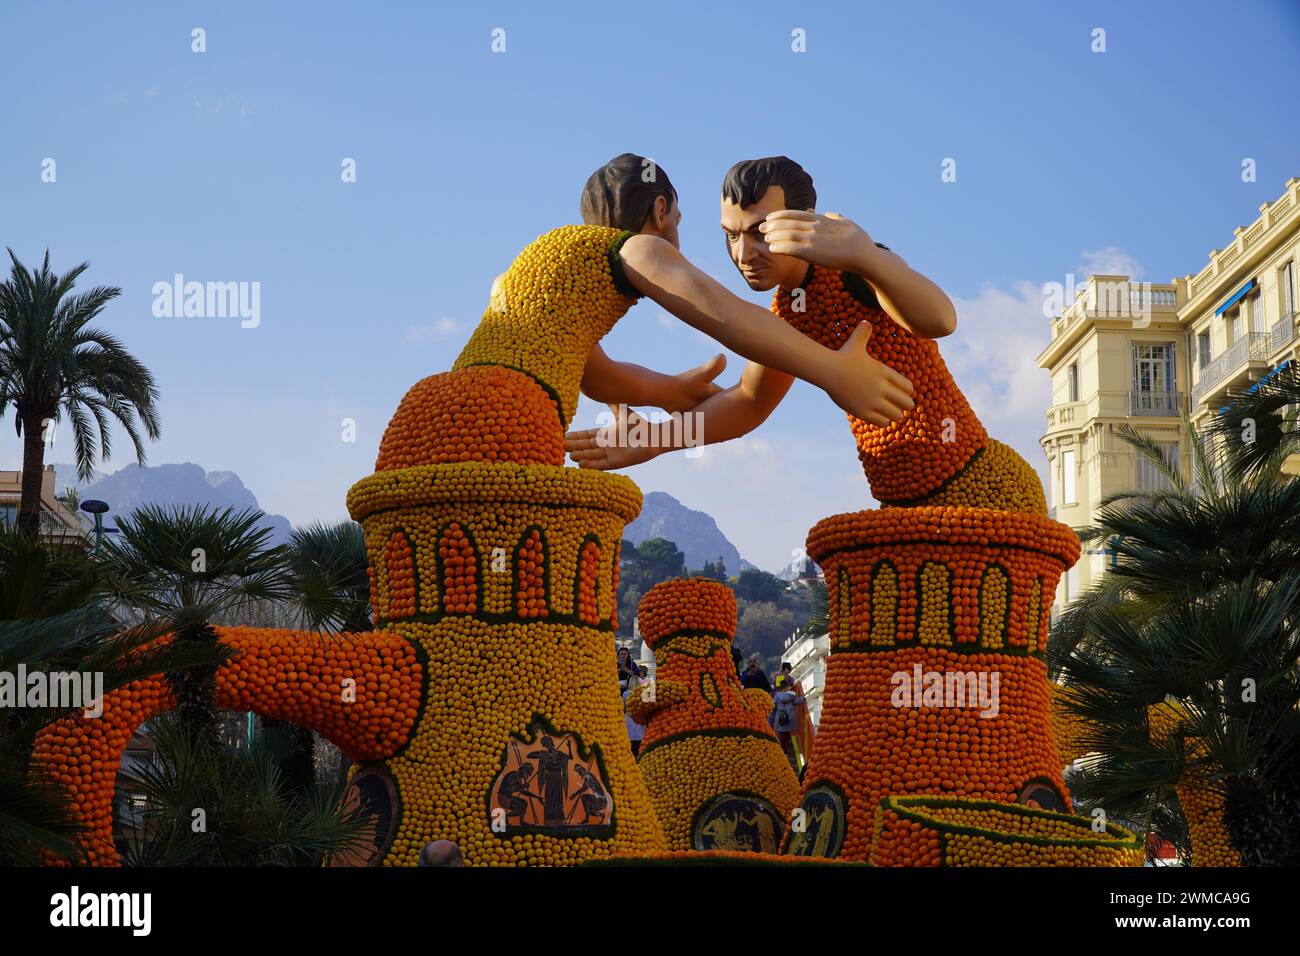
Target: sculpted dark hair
619,195
746,182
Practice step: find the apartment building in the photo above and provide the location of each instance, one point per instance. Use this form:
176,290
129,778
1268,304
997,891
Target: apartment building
1144,354
58,523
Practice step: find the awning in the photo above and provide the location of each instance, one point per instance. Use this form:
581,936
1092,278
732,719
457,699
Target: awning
1251,390
1235,296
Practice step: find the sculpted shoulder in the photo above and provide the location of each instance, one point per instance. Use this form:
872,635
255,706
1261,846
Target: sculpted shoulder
643,249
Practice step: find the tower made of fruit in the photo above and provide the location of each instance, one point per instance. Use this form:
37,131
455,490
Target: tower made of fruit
484,708
501,565
935,744
716,774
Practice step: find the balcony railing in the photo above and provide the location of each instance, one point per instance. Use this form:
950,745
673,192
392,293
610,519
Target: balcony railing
1282,332
1252,347
1061,416
1155,403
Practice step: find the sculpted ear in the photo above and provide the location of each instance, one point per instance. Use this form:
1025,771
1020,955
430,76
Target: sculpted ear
662,208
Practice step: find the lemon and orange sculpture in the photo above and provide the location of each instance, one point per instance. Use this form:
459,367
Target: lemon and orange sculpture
716,773
484,709
935,745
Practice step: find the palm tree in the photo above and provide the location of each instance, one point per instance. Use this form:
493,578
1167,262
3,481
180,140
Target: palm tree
52,619
54,363
70,499
193,566
818,621
1201,613
1258,427
252,818
329,574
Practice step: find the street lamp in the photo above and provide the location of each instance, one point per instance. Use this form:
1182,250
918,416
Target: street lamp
1115,541
94,506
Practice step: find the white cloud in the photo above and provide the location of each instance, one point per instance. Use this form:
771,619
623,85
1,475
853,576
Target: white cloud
1110,261
437,329
241,105
992,357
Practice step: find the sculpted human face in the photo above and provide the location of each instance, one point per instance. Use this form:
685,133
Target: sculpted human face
761,268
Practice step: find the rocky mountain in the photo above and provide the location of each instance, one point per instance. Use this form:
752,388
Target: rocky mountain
695,533
180,484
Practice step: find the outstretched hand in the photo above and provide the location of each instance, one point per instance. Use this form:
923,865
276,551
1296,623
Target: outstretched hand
830,241
694,386
866,388
599,448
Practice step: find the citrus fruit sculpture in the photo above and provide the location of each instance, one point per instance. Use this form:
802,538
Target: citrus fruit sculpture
716,773
935,745
484,709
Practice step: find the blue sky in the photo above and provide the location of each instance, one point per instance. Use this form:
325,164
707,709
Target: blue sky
225,166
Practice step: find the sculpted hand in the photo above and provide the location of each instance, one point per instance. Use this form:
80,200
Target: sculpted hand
830,241
866,388
693,386
598,447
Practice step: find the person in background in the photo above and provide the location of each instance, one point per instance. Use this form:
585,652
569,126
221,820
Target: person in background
803,725
736,658
629,678
440,853
784,705
754,676
627,670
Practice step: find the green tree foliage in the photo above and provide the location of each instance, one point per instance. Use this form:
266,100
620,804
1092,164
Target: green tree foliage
55,364
1200,613
763,629
249,816
642,567
754,586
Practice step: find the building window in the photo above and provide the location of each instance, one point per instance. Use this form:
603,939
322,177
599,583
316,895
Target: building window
1074,382
1149,477
1203,348
1153,378
1286,279
1258,301
1067,477
1230,322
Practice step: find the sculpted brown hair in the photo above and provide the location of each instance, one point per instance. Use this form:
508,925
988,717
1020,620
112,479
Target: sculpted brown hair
746,182
622,193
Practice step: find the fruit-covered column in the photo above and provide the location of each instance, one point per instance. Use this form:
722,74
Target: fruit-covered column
936,686
717,775
505,576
